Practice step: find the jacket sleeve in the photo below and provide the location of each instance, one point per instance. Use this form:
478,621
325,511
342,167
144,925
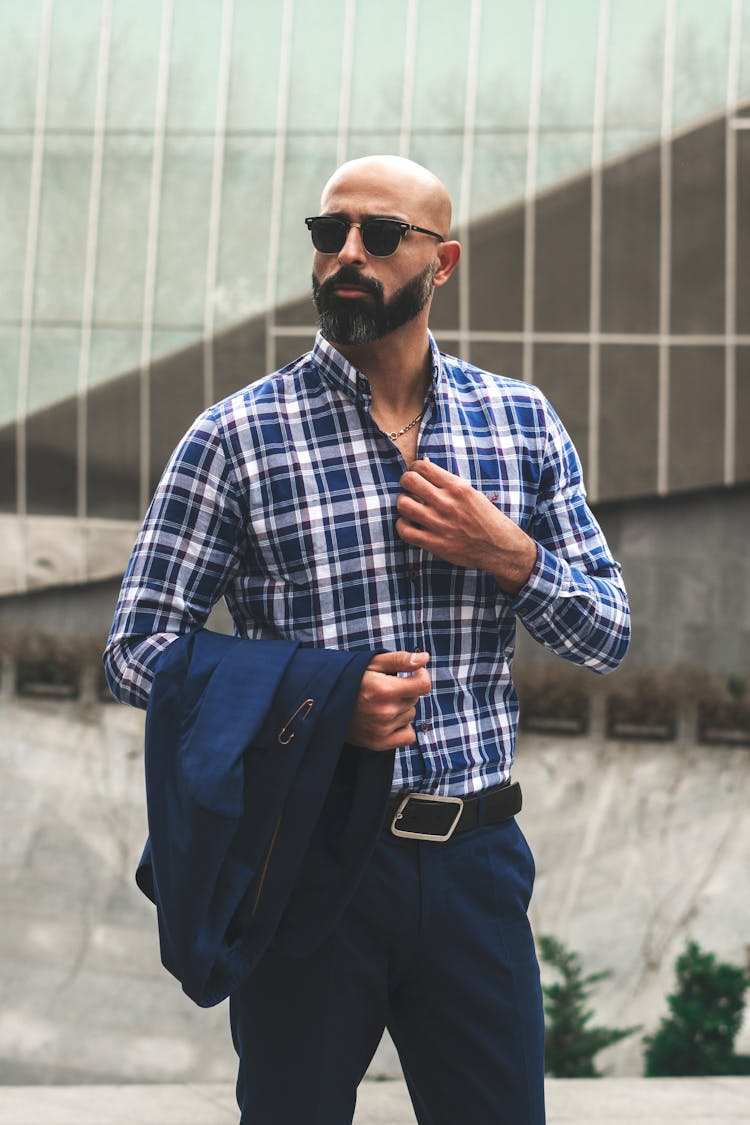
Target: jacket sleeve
186,551
574,602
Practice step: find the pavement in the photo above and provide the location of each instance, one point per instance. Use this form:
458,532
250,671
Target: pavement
608,1101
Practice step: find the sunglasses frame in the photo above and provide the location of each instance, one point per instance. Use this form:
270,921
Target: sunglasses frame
346,224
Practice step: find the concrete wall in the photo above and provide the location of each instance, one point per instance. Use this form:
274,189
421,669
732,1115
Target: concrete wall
638,845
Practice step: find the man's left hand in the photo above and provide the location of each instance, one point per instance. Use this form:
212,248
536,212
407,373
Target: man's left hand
441,513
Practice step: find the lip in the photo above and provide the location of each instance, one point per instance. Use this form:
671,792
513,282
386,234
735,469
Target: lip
351,291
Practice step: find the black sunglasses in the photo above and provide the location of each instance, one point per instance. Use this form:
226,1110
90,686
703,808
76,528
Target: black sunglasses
380,237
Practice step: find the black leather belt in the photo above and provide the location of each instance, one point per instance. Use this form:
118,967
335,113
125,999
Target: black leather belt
422,816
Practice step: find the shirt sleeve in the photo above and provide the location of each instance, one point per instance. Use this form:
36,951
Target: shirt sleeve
574,601
187,550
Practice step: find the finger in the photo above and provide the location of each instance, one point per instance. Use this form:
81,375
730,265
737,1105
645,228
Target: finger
404,736
422,515
417,536
433,473
416,485
391,663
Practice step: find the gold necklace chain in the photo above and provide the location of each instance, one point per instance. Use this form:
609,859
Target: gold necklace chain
405,429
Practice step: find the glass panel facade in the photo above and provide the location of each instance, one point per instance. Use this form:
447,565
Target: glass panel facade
439,92
630,245
562,372
113,350
562,267
10,339
698,231
183,232
500,357
176,399
20,30
15,161
133,65
316,65
364,76
568,78
696,417
561,155
635,73
701,58
243,241
254,67
497,273
628,438
379,36
310,160
743,231
52,462
53,365
113,450
73,65
193,66
123,230
63,229
499,170
742,419
504,68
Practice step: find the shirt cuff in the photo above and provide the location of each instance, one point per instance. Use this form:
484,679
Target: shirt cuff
548,581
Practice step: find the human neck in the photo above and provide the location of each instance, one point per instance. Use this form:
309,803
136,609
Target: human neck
398,368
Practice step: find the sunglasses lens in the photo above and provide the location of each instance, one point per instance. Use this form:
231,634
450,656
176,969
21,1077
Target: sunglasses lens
381,236
328,235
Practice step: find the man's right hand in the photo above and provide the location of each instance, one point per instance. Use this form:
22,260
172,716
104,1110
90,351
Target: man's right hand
387,702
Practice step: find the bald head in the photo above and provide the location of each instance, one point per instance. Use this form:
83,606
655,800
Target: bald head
386,179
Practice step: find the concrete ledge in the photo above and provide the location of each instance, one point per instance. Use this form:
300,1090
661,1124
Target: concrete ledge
611,1101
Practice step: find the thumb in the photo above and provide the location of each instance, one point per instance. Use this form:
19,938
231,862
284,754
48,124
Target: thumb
390,663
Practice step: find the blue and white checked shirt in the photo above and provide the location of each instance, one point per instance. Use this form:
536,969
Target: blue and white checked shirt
282,499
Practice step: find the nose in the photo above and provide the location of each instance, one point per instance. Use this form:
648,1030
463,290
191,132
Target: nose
353,251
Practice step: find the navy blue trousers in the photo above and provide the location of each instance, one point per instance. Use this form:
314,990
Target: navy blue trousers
435,946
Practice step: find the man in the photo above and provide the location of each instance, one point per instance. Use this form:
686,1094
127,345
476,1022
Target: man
378,494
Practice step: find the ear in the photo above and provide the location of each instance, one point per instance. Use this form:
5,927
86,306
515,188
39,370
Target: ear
448,254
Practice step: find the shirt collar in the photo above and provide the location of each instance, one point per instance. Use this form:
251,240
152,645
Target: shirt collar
338,371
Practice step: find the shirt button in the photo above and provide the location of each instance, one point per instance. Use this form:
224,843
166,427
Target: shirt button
424,725
413,573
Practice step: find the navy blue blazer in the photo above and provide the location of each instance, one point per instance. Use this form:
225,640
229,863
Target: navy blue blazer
260,817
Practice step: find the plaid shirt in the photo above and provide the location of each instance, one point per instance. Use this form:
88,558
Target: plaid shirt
282,499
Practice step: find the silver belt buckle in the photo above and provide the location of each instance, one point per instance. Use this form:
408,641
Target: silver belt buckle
437,838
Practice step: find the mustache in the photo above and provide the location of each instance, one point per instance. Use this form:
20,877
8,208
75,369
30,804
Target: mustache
348,275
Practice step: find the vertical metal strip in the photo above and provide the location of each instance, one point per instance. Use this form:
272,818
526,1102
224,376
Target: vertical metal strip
214,213
410,67
529,225
595,306
730,253
92,242
152,249
30,263
277,188
345,89
665,248
467,171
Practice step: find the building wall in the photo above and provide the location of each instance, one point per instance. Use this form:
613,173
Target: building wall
159,158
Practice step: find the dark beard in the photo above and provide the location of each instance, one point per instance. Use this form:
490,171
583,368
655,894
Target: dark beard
351,321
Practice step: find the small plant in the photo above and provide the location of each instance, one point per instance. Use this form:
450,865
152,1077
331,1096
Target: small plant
570,1043
705,1016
